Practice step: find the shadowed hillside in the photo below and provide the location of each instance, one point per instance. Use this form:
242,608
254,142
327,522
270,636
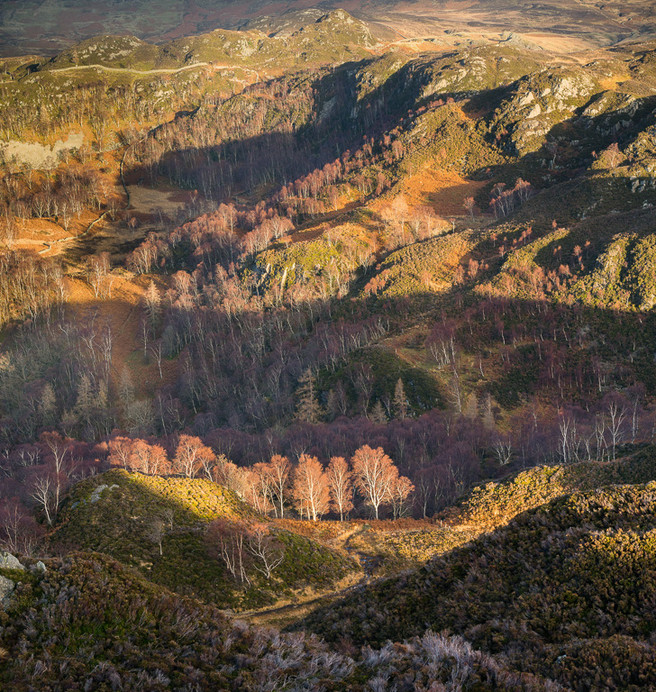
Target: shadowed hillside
152,639
551,592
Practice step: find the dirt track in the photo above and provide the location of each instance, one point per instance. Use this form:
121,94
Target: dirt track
129,70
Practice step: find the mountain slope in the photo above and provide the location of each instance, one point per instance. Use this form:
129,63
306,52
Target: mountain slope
583,24
90,623
550,592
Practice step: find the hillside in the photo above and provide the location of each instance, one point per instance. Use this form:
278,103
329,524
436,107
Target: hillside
476,224
554,593
490,200
556,24
390,547
126,515
338,323
163,528
152,638
328,37
530,605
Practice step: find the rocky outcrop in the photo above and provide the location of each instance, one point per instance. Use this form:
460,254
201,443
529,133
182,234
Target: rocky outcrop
538,102
7,587
9,561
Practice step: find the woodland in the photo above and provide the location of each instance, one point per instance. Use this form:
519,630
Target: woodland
327,361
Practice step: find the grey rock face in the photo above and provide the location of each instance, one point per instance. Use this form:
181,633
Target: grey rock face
7,587
9,561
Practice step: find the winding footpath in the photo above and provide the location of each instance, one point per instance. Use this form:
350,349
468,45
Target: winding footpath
49,245
129,70
160,70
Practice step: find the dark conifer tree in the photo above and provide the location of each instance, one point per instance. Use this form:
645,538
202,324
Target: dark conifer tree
377,414
400,403
308,408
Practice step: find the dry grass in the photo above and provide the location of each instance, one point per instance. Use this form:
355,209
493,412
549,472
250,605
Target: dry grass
557,43
39,235
611,83
301,604
150,202
443,191
122,312
48,238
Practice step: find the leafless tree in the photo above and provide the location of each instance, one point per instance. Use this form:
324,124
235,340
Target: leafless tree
229,539
262,546
503,451
279,470
616,417
340,482
400,492
191,455
310,488
469,205
156,533
375,474
43,493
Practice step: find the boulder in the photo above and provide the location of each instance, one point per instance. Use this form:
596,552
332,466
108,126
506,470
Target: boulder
9,561
39,568
534,112
7,587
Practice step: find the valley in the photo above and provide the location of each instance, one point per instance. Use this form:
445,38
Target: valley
327,346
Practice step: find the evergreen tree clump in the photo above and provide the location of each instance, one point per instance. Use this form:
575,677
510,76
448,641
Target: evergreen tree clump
308,408
400,402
